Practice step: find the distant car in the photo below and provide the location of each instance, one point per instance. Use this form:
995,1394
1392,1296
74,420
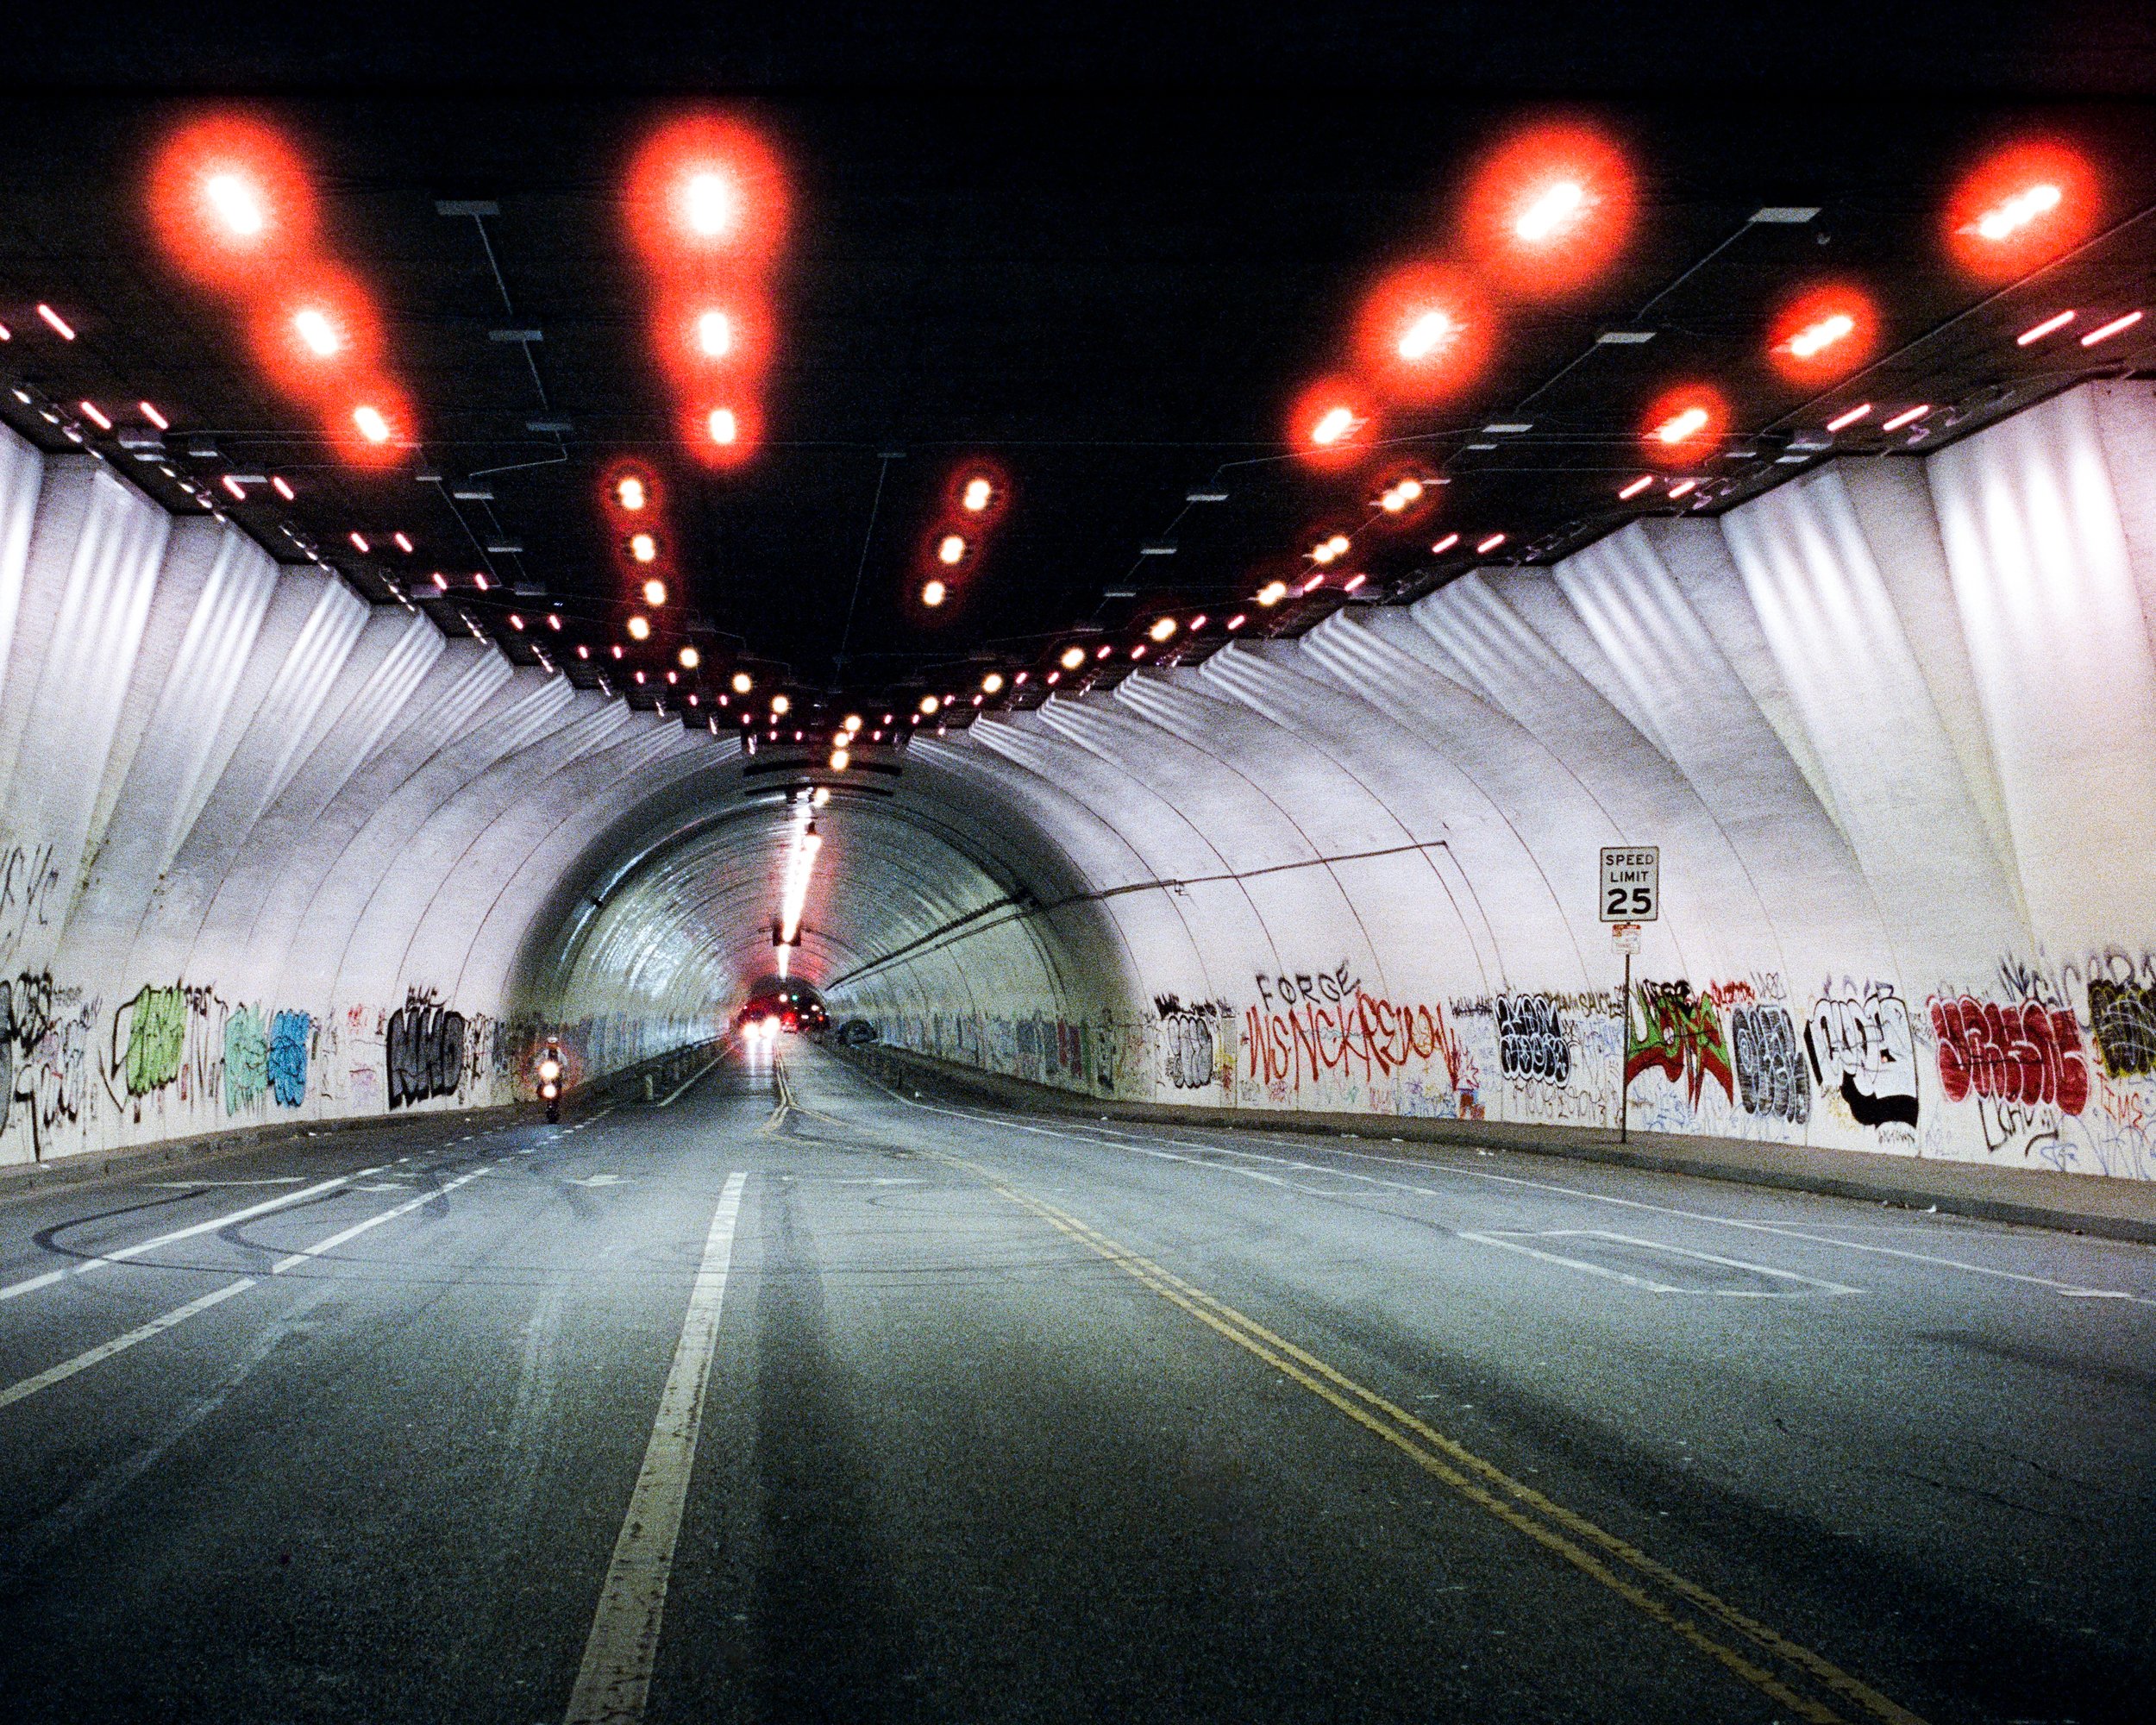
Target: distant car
854,1032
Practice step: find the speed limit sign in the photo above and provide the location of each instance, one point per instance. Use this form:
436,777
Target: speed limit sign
1631,883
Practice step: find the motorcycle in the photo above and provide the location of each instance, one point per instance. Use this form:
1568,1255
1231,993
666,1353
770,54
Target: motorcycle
550,1088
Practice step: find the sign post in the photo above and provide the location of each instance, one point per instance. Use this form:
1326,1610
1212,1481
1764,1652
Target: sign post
1630,895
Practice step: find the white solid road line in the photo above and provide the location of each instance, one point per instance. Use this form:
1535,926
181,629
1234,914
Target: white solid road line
179,1314
335,1240
693,1078
1115,1139
1515,1240
156,1326
615,1678
125,1252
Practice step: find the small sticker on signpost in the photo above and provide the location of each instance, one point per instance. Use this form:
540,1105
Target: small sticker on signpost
1631,883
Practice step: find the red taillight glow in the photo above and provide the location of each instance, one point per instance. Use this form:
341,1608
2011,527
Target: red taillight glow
373,426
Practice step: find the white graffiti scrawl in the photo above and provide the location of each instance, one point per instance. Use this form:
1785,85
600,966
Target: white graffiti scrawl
1860,1045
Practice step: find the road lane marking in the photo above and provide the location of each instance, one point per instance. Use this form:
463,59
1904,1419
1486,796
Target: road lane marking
1116,1139
199,1185
1515,1240
82,1362
179,1314
1564,1532
291,1260
615,1679
123,1253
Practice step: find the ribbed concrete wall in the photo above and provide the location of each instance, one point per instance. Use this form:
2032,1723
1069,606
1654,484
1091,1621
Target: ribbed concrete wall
1893,726
266,854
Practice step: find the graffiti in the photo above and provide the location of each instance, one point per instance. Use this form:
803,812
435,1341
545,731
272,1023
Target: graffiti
2026,1053
1861,1047
245,1059
287,1056
47,1061
1363,1036
2123,1020
1532,1043
1192,1043
1331,988
156,1038
1771,1078
1679,1035
29,886
426,1051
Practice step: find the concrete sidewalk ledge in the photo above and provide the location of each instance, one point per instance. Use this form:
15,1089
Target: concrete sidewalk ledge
2034,1197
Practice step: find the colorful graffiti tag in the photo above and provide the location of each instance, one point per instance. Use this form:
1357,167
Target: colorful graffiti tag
1678,1034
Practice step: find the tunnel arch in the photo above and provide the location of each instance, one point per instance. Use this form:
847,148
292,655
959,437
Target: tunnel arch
1892,723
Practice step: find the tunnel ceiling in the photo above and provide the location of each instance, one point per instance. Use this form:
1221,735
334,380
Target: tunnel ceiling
1110,302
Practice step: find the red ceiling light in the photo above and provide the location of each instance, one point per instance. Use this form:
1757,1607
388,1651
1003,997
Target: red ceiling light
1842,422
1550,208
1823,333
1331,424
58,325
707,212
231,201
155,418
1683,424
1425,333
706,187
1636,487
2021,207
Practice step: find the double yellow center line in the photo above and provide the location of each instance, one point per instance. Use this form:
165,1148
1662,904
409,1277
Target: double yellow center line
1708,1623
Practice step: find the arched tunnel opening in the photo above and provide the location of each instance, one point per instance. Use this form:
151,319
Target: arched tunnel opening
915,897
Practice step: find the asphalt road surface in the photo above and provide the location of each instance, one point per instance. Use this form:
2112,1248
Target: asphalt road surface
795,1399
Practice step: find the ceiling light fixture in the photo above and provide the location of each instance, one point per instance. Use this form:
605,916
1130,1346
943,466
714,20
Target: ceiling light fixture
1906,416
60,325
1843,421
2036,332
1636,487
2103,333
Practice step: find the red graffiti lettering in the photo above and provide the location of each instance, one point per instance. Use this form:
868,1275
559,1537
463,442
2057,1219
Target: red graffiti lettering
1362,1036
2024,1052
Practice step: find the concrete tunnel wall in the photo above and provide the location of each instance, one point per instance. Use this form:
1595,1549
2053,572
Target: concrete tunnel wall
1893,726
269,853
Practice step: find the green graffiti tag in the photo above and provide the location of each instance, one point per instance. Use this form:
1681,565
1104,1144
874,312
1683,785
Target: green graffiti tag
157,1035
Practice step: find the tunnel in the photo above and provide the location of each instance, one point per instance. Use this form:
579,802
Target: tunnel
1300,870
276,856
